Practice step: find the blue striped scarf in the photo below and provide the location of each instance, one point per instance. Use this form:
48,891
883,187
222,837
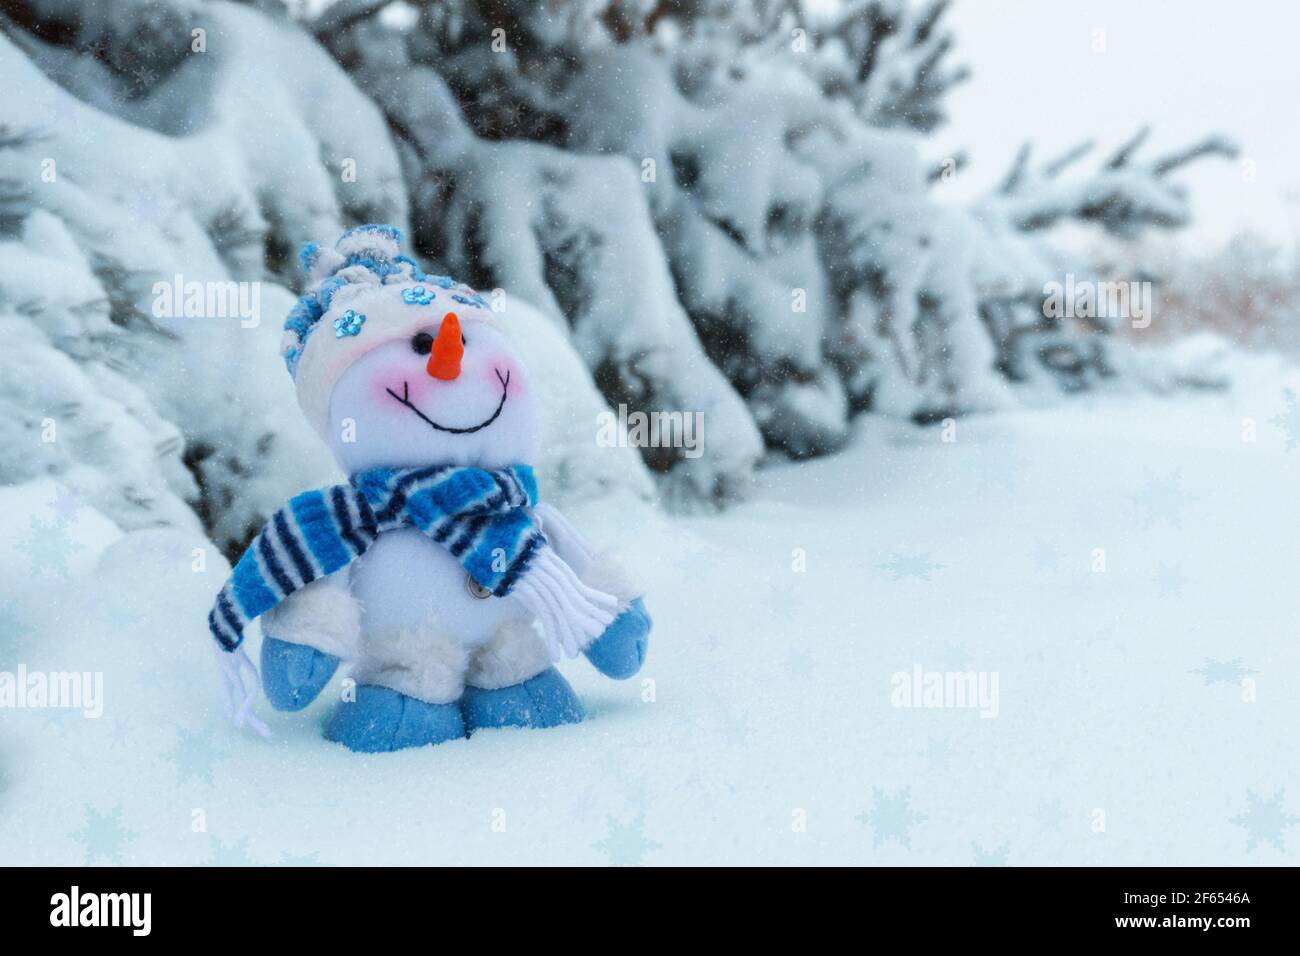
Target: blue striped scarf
477,515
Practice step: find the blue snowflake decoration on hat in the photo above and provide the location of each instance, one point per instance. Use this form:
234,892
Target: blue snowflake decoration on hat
349,323
475,299
331,269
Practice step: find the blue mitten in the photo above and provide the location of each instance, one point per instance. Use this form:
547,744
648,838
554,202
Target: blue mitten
294,674
620,651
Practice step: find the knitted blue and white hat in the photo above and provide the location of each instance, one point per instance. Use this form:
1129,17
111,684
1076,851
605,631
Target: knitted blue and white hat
361,294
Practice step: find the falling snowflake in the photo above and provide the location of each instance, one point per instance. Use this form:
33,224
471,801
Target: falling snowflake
48,547
103,835
144,79
193,756
1223,672
1289,419
900,565
994,857
1169,579
1163,499
891,817
1265,820
626,844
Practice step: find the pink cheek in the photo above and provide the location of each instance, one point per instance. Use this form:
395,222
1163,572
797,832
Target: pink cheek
402,381
499,368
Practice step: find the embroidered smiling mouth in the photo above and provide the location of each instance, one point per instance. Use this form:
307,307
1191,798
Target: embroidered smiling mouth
405,399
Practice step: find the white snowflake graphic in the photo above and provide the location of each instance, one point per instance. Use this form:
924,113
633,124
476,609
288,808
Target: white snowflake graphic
66,505
891,817
48,547
626,844
1223,672
193,756
234,853
1265,820
102,836
994,857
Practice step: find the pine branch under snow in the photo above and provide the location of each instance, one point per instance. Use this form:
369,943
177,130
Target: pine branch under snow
708,217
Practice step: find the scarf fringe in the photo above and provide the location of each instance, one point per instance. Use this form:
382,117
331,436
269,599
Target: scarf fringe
572,614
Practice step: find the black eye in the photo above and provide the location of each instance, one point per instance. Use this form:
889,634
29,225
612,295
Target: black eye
463,343
422,343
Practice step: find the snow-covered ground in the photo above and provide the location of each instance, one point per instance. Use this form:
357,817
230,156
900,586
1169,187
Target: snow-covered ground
1145,713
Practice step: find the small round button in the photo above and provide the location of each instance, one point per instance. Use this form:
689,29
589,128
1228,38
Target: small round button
475,589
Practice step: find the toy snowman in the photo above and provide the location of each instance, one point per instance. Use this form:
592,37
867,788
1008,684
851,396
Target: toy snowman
435,570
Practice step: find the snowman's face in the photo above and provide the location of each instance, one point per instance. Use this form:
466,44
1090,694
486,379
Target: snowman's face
397,407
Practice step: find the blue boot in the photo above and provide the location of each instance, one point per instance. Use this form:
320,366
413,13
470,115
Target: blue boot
294,674
620,651
382,720
546,700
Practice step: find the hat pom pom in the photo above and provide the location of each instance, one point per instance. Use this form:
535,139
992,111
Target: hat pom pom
371,248
320,263
373,242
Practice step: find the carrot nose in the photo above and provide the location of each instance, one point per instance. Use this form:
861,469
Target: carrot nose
444,360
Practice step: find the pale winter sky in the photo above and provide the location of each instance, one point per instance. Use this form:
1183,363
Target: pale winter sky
1186,67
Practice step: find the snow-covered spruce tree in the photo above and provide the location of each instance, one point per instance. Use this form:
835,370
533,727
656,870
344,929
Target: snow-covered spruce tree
126,163
718,206
778,157
69,408
152,162
1125,197
567,231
